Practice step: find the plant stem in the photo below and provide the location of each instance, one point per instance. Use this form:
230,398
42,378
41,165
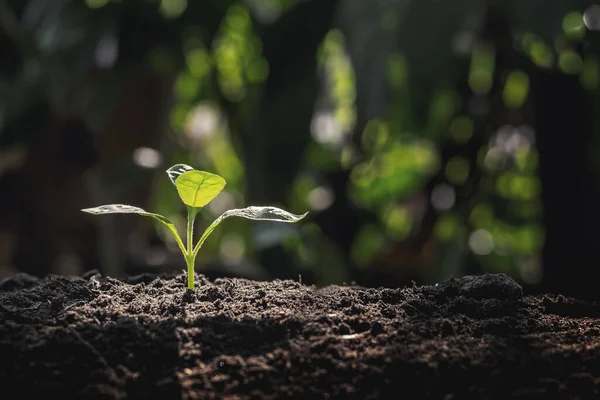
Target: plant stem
190,257
189,260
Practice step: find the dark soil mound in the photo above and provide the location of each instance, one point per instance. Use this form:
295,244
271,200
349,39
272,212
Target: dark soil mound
146,337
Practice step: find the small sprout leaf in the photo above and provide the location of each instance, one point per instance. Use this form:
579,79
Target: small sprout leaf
267,213
177,170
115,209
198,188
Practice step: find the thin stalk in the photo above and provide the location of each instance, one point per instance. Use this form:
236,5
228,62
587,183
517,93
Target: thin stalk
189,253
189,261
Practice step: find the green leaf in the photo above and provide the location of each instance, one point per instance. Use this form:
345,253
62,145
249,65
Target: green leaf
120,209
126,209
176,170
198,188
257,213
267,213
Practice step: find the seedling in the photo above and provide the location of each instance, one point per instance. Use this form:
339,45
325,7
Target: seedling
196,189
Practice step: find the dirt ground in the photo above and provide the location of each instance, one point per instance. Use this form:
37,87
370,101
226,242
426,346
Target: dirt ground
475,337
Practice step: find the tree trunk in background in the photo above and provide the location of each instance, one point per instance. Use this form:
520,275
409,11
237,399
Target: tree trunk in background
275,139
278,134
564,133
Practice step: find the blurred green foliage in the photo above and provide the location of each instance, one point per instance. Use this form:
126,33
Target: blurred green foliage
422,105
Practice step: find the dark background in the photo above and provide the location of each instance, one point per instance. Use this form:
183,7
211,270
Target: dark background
427,138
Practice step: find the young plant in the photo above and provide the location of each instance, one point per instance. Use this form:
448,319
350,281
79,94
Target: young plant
196,189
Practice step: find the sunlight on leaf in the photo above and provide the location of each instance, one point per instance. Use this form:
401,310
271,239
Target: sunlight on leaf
115,209
267,213
198,188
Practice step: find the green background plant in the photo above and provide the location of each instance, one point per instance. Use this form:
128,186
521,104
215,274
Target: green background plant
427,139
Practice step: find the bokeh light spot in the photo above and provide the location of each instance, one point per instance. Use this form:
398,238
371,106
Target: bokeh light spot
172,8
446,227
202,121
573,25
198,62
443,197
325,129
541,54
570,62
107,52
516,89
481,242
375,135
591,17
482,67
398,222
146,157
320,198
187,87
363,175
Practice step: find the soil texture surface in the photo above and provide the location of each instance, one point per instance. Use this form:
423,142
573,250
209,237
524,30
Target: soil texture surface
476,337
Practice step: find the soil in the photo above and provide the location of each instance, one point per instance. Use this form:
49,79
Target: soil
477,337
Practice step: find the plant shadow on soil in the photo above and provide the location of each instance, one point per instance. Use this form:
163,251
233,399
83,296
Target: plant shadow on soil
148,337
